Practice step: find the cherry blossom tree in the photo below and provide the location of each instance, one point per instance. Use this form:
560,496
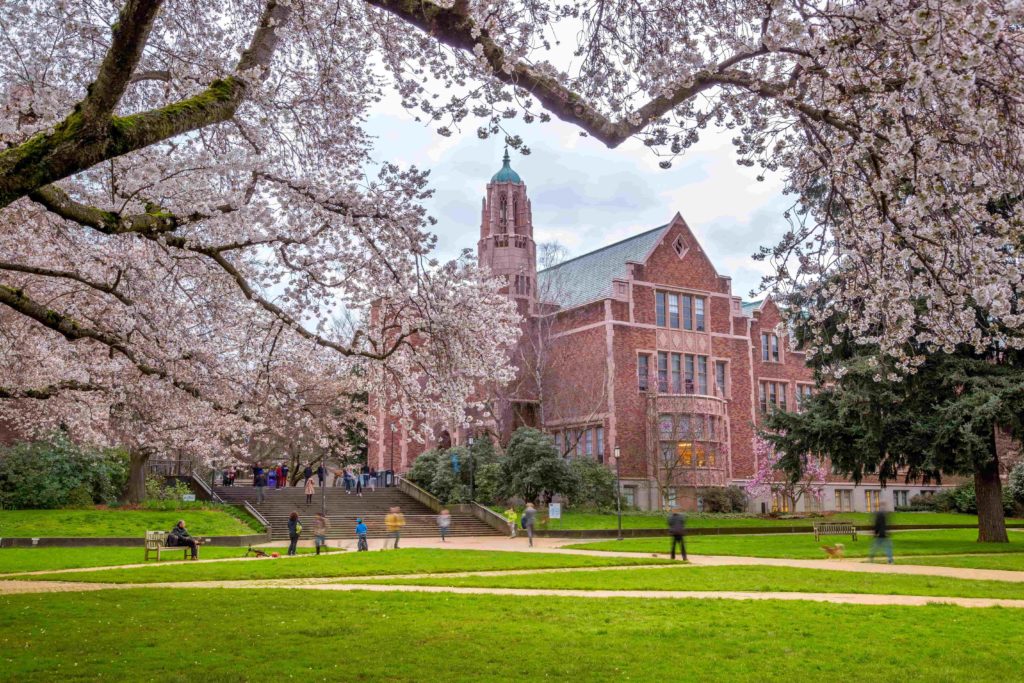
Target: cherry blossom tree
769,478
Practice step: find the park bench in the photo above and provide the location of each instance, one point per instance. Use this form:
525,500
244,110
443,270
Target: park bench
156,542
834,529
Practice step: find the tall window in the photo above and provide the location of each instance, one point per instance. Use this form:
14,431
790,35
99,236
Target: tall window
702,374
629,496
803,392
643,362
515,209
503,213
871,500
844,500
780,502
663,372
899,499
588,443
680,311
720,377
599,443
773,394
676,379
769,347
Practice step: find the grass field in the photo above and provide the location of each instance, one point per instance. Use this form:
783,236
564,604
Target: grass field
803,546
406,561
760,579
116,522
184,634
41,559
646,520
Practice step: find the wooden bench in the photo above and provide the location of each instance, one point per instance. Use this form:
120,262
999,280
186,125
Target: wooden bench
156,542
834,529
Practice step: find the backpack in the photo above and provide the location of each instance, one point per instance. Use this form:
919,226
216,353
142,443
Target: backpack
298,528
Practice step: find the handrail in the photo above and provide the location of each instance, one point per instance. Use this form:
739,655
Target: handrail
489,517
206,489
256,513
413,491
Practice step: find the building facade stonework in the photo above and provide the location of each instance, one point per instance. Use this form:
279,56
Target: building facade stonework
640,346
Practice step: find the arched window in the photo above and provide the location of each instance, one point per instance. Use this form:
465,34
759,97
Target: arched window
503,213
515,211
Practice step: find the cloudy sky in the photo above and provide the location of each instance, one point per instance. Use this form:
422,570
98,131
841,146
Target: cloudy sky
586,196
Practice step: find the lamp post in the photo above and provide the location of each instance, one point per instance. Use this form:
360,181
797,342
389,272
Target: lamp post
472,471
392,468
618,491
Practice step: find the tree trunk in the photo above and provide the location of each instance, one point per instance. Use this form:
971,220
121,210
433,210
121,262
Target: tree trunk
988,489
137,477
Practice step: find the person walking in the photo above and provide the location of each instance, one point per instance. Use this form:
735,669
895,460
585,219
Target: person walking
259,481
321,525
373,479
394,522
284,474
444,523
529,518
513,519
179,537
232,473
883,540
348,481
677,527
272,478
321,474
307,473
279,471
361,531
310,488
359,485
294,530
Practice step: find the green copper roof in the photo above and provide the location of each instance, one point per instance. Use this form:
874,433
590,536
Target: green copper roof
506,174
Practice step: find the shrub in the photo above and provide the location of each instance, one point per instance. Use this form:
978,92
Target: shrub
42,474
488,483
164,496
725,499
533,470
1015,487
79,497
596,485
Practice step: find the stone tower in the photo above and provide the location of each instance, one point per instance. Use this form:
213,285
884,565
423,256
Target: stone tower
506,235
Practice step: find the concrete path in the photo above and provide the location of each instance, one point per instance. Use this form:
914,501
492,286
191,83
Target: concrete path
13,587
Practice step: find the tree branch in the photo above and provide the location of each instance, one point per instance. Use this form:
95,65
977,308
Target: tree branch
50,390
130,34
68,275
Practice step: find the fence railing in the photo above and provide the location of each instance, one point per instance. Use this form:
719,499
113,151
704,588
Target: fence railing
206,489
167,467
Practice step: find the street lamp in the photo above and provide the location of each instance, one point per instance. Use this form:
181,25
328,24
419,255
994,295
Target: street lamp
472,471
618,491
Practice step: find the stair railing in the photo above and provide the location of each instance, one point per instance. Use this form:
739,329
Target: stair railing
489,517
416,493
206,488
259,517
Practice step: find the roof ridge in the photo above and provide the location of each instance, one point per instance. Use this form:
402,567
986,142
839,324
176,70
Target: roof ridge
607,246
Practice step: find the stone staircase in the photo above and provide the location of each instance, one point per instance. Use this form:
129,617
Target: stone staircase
343,509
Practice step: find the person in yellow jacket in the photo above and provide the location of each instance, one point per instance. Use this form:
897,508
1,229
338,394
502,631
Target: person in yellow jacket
393,522
513,519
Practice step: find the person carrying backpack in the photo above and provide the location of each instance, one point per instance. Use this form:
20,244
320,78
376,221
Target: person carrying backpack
294,531
677,527
529,517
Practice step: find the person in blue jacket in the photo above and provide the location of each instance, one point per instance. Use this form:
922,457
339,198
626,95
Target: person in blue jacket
361,535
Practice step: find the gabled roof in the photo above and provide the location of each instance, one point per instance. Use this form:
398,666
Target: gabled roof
589,277
750,306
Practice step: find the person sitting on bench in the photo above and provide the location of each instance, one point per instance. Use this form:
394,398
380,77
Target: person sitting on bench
179,536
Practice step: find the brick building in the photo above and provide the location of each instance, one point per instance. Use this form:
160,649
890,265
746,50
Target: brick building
641,346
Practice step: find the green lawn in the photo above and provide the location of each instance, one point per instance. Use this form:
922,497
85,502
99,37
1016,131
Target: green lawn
116,522
803,546
760,579
183,634
405,561
41,559
646,520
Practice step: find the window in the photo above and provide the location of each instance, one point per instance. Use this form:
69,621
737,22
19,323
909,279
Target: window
599,439
663,372
558,443
720,377
871,500
680,246
670,497
643,362
844,500
702,374
811,503
803,392
680,311
689,373
588,444
769,347
773,394
629,496
780,502
515,209
503,213
676,380
900,498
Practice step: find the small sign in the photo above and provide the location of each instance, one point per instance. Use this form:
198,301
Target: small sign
455,463
188,497
555,511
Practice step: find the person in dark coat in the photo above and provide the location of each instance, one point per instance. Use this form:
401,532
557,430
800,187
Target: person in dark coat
259,480
883,540
284,474
677,527
321,474
306,474
179,537
294,530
